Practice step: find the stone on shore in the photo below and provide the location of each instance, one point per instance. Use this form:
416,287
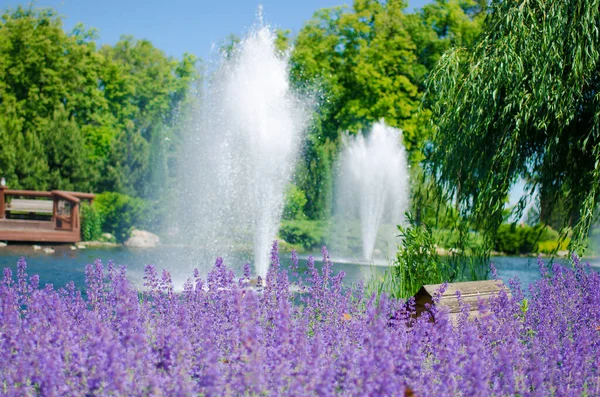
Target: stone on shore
2,245
142,239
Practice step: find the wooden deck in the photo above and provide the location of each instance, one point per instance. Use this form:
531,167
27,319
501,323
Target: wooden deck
35,231
32,216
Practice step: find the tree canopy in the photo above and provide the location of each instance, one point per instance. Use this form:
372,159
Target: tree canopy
523,103
369,62
75,117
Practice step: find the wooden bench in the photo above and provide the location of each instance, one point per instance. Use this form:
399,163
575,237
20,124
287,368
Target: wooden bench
471,293
45,207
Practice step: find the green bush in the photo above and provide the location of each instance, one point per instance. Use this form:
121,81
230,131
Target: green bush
309,234
450,238
522,239
552,247
295,200
91,222
548,234
508,239
120,213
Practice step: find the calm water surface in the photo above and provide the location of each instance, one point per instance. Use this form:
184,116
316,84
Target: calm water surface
66,265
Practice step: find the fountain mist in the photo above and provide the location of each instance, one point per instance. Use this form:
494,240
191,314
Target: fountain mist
372,190
243,145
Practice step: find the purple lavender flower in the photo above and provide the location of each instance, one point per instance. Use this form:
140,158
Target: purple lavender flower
222,337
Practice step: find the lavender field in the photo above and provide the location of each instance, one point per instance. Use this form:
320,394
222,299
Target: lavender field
418,140
222,336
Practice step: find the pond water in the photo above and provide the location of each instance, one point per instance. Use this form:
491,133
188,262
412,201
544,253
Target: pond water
66,265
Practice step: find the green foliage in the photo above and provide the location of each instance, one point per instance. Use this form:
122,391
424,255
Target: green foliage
295,200
443,24
76,118
309,235
523,239
146,86
417,261
368,63
91,222
552,247
450,239
429,204
315,177
145,90
120,213
283,41
49,88
127,164
512,240
363,60
526,101
69,167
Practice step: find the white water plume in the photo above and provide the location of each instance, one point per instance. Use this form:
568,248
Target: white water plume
372,192
244,144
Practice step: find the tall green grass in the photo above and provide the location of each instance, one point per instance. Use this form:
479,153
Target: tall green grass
418,262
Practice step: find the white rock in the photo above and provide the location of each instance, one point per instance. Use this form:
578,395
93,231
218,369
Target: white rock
2,244
142,239
81,246
108,236
37,247
48,250
73,248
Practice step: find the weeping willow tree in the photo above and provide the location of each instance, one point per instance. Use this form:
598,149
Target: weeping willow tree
523,103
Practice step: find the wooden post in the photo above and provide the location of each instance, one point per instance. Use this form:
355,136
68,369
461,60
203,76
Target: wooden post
54,210
75,217
2,201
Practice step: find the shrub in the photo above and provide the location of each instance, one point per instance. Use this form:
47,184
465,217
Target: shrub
552,247
221,335
308,234
120,213
523,239
295,200
508,239
91,222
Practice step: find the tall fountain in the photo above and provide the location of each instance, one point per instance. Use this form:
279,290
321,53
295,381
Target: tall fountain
243,141
372,191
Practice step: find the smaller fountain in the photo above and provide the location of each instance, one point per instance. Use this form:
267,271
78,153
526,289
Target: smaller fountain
372,192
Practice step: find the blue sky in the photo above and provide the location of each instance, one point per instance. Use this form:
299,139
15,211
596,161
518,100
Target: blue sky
179,26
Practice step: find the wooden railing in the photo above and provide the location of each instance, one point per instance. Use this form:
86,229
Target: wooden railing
60,220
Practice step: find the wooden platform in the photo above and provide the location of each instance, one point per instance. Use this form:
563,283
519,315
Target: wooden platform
34,216
35,231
